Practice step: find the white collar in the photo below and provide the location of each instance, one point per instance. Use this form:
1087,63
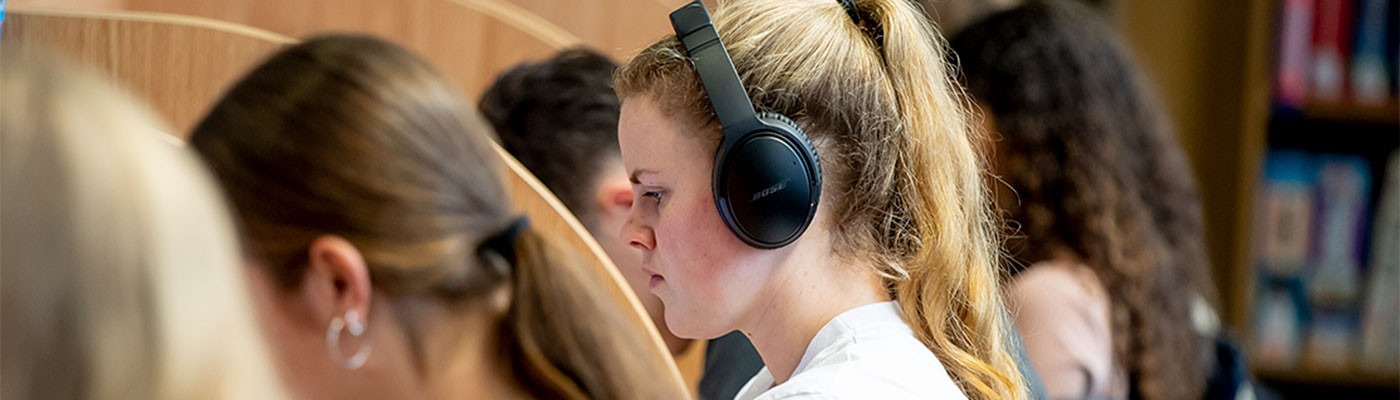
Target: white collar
851,324
848,325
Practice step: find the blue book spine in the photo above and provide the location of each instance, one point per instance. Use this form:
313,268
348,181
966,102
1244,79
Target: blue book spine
1369,72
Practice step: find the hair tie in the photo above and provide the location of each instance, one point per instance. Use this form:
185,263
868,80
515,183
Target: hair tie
866,25
503,242
852,10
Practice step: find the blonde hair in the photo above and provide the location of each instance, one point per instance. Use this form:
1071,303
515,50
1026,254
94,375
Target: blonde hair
902,173
120,267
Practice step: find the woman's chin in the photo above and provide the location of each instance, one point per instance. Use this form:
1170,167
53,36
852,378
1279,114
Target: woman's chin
686,326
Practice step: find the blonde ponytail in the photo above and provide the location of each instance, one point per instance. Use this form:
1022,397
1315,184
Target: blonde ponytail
902,174
947,233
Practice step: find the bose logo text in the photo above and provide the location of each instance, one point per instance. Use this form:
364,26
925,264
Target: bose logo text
769,191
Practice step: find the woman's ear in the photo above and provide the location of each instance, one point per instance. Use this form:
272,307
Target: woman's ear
337,279
614,197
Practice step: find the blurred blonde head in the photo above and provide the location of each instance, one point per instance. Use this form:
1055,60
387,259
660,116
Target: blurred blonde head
119,264
901,171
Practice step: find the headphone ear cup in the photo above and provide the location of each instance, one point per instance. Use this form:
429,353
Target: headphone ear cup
768,183
800,136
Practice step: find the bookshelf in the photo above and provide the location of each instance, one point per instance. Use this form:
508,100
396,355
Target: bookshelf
1344,112
1327,377
1276,125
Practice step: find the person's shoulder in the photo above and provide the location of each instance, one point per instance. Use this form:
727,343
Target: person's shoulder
1060,300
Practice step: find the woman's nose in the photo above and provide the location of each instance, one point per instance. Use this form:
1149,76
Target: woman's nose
638,234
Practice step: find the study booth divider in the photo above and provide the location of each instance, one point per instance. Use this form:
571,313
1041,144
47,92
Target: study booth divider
181,64
615,27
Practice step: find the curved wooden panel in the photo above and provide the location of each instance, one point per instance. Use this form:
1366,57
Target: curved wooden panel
180,65
471,41
617,27
165,60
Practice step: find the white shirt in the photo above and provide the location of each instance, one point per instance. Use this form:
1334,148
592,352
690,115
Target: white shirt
867,352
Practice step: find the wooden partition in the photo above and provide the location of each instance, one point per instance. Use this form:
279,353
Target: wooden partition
168,61
470,41
616,27
180,64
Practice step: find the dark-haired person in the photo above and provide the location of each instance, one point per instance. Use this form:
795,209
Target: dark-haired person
1110,262
386,256
559,118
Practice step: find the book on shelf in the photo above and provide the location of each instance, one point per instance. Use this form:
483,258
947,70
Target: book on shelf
1294,51
1331,37
1283,244
1343,184
1370,75
1336,52
1392,48
1318,303
1380,318
1280,315
1334,279
1287,205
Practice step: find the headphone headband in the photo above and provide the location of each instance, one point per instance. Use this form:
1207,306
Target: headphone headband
697,33
767,177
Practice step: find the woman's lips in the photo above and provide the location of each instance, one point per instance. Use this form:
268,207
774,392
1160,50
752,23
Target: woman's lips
656,279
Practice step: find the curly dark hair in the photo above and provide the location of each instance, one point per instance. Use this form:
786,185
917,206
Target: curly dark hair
559,118
1100,177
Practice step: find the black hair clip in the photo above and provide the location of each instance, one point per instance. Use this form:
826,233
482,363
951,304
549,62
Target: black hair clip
503,242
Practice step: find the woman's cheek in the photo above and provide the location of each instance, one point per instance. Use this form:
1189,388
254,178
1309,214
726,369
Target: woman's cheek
702,249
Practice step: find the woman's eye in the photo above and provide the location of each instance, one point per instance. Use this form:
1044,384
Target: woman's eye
655,195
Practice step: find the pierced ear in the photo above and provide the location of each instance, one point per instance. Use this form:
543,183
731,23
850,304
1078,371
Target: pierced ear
500,299
337,279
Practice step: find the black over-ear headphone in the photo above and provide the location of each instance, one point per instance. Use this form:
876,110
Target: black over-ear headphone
767,177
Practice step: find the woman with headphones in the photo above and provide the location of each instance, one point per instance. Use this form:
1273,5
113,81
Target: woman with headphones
804,173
